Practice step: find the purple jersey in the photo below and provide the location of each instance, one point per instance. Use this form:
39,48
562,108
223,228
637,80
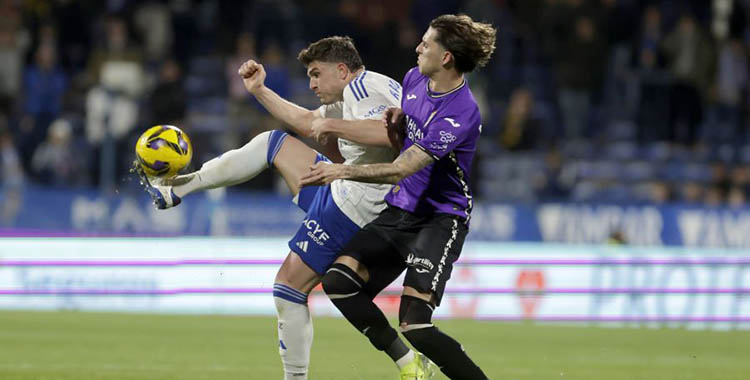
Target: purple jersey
446,126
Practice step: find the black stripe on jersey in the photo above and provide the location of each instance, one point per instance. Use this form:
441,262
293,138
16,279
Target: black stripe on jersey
434,157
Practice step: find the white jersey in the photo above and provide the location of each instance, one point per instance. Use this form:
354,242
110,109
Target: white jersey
366,97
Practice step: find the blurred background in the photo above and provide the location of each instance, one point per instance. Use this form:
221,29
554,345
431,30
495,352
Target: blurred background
638,102
612,187
629,101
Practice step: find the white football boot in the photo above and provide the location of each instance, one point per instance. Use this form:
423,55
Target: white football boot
162,195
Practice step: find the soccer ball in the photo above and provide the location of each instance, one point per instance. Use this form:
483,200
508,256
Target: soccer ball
163,150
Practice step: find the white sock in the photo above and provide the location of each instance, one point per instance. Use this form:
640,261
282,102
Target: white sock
295,337
406,359
233,167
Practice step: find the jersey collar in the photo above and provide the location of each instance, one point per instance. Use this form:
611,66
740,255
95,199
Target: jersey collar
442,94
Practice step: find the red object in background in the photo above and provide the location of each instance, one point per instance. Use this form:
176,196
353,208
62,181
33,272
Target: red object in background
463,306
530,285
389,304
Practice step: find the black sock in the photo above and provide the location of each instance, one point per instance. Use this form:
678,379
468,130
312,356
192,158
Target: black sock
397,350
444,351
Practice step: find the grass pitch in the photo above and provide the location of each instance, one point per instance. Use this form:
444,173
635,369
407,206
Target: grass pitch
75,345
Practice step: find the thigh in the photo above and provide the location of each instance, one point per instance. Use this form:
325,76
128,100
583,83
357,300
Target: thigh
384,275
437,246
323,233
293,161
297,274
372,246
375,254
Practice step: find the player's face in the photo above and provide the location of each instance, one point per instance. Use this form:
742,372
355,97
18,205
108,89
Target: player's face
430,55
326,81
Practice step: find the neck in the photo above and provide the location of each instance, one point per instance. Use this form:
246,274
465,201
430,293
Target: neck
350,78
354,74
445,80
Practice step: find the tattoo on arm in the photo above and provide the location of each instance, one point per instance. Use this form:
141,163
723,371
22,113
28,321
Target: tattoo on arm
406,164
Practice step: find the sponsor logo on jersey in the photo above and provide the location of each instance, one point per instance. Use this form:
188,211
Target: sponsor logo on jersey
421,265
375,111
453,122
396,189
411,97
394,88
303,246
413,132
315,231
447,137
438,147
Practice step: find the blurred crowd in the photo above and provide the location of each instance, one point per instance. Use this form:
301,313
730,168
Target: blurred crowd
584,100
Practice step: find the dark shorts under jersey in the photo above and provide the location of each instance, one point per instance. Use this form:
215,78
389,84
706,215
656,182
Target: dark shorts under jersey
426,246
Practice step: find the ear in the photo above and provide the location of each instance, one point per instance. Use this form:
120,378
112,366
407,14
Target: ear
448,60
342,70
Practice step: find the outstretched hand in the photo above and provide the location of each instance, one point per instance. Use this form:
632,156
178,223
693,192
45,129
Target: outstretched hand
323,173
253,75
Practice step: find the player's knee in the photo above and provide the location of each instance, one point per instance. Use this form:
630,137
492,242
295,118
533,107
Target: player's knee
287,293
275,140
340,281
415,319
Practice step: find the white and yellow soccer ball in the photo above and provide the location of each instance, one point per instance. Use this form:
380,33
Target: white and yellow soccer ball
163,150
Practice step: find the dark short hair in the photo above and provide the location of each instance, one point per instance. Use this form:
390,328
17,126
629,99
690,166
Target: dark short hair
333,50
470,42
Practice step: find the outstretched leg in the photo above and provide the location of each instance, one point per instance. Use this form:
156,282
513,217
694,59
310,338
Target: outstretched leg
291,157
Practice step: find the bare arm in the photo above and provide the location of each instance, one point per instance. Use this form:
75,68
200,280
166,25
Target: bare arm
386,132
366,132
406,164
298,118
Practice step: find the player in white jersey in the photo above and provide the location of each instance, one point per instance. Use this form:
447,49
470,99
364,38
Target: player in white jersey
354,101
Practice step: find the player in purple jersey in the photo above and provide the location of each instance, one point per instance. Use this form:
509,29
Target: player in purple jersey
424,227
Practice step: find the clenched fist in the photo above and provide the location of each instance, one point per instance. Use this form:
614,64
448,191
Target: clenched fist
253,75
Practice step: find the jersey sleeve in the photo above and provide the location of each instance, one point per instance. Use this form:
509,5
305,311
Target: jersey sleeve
332,111
369,95
445,133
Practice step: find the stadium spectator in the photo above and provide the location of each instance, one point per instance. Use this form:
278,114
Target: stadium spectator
14,41
737,197
44,84
153,23
72,19
57,162
580,70
116,76
168,98
653,84
555,182
245,48
11,176
691,61
724,119
520,129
